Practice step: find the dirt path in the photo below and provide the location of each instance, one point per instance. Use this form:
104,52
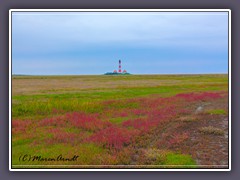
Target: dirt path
185,135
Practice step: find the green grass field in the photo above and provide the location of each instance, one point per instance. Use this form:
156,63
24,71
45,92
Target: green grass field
133,121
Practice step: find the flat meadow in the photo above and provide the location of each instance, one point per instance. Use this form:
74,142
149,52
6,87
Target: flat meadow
131,121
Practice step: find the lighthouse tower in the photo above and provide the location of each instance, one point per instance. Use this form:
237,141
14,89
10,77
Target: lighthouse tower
120,67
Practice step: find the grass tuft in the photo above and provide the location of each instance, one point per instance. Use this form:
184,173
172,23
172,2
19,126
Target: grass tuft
187,119
211,130
217,111
170,159
180,161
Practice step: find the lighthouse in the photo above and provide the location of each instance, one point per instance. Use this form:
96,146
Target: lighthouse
119,71
119,67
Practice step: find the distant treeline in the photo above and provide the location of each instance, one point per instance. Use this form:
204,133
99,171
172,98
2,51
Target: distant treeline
115,73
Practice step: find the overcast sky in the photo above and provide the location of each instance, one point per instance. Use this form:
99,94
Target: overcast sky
55,43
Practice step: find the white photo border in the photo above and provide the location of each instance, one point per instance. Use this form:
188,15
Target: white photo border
117,10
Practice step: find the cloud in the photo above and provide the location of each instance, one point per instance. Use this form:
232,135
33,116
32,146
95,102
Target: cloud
104,29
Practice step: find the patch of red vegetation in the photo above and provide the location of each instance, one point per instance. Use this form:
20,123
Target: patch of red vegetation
61,136
123,114
198,97
139,112
59,121
113,137
154,117
20,126
178,138
85,121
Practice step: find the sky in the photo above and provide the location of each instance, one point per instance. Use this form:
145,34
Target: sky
74,43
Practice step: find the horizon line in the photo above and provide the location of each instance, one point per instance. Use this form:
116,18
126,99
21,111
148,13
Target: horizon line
104,74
